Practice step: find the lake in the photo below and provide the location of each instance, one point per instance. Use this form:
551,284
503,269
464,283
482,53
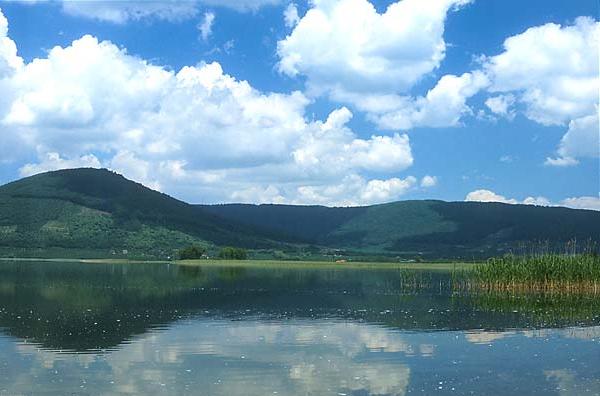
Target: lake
68,328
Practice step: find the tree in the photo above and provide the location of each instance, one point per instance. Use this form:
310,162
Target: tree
191,252
233,253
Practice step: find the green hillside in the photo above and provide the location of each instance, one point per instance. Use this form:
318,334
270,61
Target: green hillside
98,213
429,229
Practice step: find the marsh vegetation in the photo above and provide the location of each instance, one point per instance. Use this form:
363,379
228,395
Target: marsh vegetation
553,273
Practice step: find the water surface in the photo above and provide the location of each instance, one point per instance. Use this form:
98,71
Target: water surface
68,328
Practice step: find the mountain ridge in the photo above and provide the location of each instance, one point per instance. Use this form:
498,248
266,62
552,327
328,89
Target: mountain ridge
76,210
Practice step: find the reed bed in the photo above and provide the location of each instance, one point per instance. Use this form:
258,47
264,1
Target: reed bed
562,273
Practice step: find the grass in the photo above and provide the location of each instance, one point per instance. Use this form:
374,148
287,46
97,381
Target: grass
448,267
544,273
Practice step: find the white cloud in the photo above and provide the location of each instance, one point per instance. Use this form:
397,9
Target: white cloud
290,15
259,195
9,60
488,196
121,12
553,73
197,133
582,139
561,161
321,149
428,181
83,94
386,190
10,63
241,5
355,190
206,25
354,54
539,201
444,104
347,45
502,105
124,11
592,203
53,161
127,163
552,69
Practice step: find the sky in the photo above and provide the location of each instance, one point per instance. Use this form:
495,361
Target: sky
329,102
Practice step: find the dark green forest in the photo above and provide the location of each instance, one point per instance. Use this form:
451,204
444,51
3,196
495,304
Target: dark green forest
98,213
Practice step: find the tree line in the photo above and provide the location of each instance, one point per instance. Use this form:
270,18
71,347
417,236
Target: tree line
195,252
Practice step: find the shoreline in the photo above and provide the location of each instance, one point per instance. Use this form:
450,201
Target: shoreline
445,266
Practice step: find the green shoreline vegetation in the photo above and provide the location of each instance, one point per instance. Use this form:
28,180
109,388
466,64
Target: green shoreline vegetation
440,266
548,273
544,273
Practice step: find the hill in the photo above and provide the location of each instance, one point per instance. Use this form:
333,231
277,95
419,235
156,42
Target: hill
428,229
95,212
91,212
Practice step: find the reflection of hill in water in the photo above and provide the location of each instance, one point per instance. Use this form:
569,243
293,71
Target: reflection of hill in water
93,307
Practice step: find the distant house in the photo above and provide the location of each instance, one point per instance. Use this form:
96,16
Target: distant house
125,251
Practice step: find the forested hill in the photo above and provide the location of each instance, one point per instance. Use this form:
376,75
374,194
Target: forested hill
91,212
101,212
431,228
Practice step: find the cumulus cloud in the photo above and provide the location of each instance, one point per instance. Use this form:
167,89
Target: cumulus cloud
428,181
488,196
502,105
539,201
552,92
53,161
9,60
592,203
444,104
198,133
355,190
349,51
321,149
348,45
581,140
127,163
353,54
290,15
206,25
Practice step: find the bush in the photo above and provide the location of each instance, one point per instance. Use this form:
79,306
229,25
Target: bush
191,253
233,253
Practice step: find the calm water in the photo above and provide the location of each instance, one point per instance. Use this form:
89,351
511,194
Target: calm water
163,329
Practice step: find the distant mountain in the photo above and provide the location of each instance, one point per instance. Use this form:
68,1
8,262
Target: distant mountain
91,212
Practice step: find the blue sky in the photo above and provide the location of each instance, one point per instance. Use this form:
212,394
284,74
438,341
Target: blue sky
346,102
